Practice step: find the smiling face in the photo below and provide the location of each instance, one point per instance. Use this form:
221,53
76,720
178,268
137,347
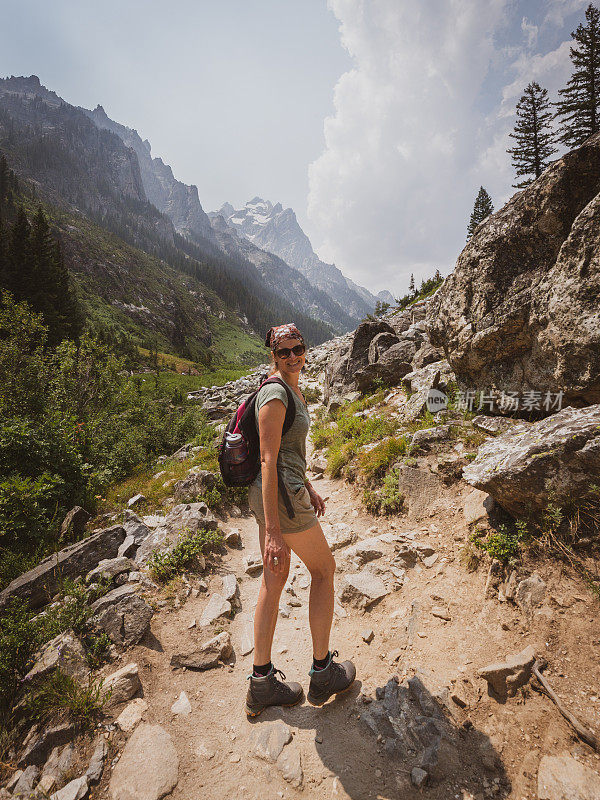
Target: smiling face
294,363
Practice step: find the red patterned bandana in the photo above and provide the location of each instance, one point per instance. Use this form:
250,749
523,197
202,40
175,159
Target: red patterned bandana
280,332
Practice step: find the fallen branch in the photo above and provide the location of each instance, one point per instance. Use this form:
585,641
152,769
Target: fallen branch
586,735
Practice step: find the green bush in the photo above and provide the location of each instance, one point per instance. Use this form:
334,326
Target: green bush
72,422
375,464
387,500
61,694
167,564
505,543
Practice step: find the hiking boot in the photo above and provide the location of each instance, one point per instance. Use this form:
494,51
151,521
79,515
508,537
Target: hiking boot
335,678
269,691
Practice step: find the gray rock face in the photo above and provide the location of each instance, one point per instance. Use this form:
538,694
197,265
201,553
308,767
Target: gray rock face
507,676
73,525
123,614
149,745
207,656
527,465
417,486
64,652
38,747
340,373
564,778
175,199
275,229
39,584
194,486
520,311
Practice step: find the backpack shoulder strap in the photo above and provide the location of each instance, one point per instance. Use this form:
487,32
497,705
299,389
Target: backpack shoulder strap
290,412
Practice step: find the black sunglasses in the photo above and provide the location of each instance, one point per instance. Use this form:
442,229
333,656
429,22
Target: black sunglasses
286,352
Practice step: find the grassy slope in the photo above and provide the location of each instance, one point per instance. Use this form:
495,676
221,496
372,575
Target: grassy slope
116,281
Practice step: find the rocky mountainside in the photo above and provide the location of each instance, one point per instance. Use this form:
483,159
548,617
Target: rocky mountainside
282,279
180,203
172,197
276,229
85,171
520,314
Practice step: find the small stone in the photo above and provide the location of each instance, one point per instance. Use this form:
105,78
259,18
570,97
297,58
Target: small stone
429,561
441,613
207,656
217,607
122,685
136,500
418,777
361,589
233,538
253,564
96,766
506,677
270,739
246,641
231,589
290,765
182,705
368,635
202,751
235,759
27,780
459,700
131,715
75,790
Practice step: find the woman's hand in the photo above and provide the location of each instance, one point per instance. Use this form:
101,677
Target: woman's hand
277,554
317,501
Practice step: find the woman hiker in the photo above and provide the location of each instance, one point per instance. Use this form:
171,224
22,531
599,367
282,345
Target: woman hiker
280,532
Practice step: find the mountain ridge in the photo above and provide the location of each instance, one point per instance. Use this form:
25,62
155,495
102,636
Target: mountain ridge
276,229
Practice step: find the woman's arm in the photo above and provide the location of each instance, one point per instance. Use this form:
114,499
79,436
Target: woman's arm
270,424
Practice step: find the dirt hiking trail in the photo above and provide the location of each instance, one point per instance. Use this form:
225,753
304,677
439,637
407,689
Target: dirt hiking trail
435,627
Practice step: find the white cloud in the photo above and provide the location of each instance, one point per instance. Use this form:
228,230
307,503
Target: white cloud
410,141
559,9
393,188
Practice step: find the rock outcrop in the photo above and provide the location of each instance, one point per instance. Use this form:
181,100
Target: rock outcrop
520,312
556,460
39,584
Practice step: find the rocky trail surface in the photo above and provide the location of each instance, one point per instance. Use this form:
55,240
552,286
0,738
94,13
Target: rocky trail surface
418,702
443,705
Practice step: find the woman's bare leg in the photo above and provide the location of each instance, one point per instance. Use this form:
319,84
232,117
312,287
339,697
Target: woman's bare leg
267,608
312,548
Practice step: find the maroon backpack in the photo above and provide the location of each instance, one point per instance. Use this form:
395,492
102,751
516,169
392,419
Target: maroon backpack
240,465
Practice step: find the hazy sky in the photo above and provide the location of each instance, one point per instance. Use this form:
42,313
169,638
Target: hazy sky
376,120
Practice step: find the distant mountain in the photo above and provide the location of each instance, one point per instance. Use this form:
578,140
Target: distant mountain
83,170
172,197
181,204
276,229
386,297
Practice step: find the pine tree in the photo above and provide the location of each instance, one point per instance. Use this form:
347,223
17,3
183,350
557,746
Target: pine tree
533,134
411,285
579,108
483,208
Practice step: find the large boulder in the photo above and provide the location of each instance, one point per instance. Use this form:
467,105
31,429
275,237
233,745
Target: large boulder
352,356
520,312
39,584
123,615
553,460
